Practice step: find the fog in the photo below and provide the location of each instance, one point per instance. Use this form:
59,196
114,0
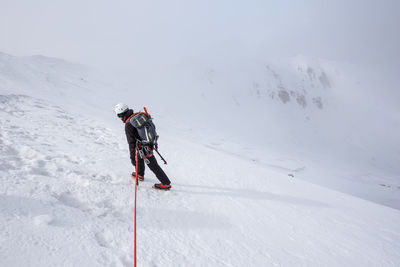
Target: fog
179,47
312,82
124,35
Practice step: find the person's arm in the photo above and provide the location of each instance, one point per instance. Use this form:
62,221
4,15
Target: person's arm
130,136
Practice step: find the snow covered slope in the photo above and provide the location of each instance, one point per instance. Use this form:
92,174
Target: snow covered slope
66,197
331,123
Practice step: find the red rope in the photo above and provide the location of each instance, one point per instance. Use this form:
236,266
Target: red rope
136,183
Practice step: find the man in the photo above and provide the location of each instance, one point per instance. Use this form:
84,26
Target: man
134,141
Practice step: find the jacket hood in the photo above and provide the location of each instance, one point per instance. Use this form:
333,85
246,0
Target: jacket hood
126,115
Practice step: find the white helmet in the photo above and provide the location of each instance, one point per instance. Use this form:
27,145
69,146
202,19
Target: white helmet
120,108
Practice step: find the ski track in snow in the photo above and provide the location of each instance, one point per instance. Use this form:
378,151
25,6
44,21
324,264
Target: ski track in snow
66,199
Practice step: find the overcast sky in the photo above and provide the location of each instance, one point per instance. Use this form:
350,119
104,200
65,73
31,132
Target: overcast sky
119,33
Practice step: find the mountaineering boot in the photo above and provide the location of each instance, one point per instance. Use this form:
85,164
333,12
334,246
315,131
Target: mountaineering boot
162,186
140,177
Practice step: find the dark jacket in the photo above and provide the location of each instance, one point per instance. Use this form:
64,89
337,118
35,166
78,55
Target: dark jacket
131,135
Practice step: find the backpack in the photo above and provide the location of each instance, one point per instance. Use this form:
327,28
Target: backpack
145,127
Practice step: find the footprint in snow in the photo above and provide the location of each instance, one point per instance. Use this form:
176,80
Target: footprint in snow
105,239
68,200
44,219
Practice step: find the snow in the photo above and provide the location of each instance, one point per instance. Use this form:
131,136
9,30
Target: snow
67,197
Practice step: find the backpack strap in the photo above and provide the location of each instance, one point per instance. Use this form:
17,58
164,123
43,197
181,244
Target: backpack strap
134,114
126,121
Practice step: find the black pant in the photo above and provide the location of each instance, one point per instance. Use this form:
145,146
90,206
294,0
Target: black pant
154,167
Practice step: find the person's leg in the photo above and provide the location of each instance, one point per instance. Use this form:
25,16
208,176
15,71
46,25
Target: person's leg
160,174
141,167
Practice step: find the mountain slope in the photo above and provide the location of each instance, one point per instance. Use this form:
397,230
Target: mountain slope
66,196
67,199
